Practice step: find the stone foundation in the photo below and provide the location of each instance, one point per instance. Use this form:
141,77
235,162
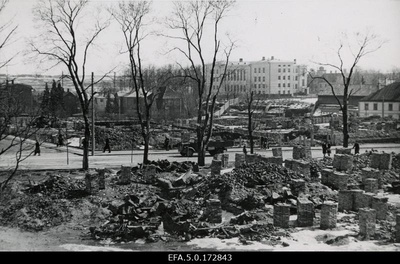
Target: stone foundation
371,173
371,185
297,186
380,205
102,179
239,159
305,212
301,152
346,151
367,222
126,175
342,162
328,215
92,182
346,199
362,200
281,215
216,166
382,161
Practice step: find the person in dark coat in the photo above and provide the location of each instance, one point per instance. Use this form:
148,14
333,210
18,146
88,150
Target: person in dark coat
328,149
244,149
107,146
324,148
166,143
356,148
37,148
60,141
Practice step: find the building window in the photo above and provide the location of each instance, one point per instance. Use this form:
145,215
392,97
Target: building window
255,85
279,65
288,92
279,70
288,70
259,70
263,70
259,78
288,77
263,78
283,91
284,77
255,79
283,85
279,85
263,85
279,77
375,107
366,106
288,85
295,78
295,85
390,107
302,82
284,70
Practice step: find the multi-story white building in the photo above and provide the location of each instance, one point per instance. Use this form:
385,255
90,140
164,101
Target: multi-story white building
269,76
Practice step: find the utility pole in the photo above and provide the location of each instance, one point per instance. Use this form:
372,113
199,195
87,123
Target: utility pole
93,119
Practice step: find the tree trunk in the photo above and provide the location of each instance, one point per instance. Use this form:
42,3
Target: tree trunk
85,160
345,126
250,128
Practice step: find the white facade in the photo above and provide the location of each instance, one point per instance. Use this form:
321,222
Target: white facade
386,109
264,77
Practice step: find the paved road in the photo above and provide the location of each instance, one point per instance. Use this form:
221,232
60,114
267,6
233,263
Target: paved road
53,157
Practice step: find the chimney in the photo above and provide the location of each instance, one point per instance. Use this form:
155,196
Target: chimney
241,60
272,57
294,61
263,58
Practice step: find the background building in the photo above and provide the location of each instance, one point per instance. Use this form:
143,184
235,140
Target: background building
264,77
384,102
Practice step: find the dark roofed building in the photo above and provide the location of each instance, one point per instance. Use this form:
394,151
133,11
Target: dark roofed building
384,102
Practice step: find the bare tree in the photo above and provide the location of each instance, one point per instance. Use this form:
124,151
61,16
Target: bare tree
6,33
252,105
365,44
64,43
132,17
193,20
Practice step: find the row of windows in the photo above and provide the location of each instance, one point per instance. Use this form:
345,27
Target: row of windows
288,77
259,70
375,107
239,88
283,85
237,76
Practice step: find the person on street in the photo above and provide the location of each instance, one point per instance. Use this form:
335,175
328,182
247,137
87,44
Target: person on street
328,149
107,146
324,148
37,148
244,149
60,141
166,143
356,148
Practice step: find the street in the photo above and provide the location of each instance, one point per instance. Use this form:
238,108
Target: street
53,157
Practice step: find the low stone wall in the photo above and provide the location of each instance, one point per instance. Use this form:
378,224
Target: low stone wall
342,162
367,222
382,161
301,152
328,215
305,213
335,179
303,167
281,215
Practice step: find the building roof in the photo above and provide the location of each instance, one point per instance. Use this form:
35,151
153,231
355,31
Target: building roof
358,90
389,93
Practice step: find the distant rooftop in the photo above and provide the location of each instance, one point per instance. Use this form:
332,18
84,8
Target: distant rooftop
389,93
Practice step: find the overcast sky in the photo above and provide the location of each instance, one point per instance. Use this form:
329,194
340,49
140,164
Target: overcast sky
306,30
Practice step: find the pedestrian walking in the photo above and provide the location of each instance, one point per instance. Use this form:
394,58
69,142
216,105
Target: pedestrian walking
60,141
166,143
324,148
37,148
244,149
328,149
107,146
356,148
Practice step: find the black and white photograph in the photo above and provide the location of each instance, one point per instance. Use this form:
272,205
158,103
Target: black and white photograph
201,130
